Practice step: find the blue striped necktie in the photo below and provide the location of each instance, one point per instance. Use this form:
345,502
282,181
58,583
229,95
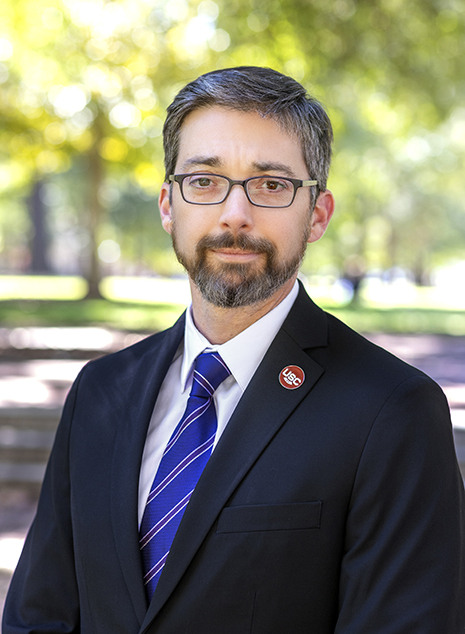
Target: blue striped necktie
183,461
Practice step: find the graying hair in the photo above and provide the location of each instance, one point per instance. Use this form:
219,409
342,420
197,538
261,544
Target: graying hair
270,94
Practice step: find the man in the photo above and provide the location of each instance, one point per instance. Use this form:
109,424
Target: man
332,500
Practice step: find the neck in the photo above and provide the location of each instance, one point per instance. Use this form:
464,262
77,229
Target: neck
219,325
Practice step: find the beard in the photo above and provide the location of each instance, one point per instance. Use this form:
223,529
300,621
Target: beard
232,285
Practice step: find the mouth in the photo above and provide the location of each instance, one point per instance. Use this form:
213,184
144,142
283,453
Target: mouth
236,255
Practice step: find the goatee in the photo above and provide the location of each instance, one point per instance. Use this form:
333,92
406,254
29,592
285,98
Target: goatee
234,285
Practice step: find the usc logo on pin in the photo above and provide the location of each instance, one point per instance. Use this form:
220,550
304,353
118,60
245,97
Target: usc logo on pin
291,377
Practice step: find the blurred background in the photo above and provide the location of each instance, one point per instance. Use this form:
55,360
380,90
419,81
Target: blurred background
85,266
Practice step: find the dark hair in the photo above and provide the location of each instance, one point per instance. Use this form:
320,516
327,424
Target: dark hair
261,90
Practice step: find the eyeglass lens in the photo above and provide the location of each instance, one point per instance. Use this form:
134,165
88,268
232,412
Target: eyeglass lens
210,189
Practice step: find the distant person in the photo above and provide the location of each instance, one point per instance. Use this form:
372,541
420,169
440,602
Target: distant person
332,501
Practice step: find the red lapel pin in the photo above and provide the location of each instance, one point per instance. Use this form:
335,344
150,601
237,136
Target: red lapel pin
291,377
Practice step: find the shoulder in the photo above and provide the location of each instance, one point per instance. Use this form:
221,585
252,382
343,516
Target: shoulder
356,369
358,352
340,349
397,402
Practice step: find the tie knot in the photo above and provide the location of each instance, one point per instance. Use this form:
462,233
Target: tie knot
209,371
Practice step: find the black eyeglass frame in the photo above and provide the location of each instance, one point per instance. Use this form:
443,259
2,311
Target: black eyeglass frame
296,182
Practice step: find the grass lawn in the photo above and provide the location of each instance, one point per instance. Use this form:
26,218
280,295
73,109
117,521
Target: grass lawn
102,312
154,317
130,305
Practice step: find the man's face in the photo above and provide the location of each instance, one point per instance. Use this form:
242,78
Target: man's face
234,252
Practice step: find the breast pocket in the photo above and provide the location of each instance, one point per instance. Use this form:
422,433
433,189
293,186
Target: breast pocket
275,517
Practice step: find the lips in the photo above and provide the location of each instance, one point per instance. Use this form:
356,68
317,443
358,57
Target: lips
236,255
236,252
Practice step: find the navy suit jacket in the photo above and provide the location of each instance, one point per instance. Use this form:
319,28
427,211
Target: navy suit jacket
337,507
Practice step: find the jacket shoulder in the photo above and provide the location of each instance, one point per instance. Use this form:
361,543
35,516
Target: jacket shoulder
367,363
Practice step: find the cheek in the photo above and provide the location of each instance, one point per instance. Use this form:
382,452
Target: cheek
187,232
288,237
292,241
194,224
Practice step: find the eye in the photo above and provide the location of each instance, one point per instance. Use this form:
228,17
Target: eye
202,181
274,185
271,185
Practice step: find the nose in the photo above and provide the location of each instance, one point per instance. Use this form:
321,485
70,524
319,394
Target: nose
236,211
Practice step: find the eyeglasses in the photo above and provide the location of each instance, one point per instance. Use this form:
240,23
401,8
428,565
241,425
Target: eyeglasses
261,191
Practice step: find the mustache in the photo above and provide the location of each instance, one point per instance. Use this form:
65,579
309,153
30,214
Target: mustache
241,241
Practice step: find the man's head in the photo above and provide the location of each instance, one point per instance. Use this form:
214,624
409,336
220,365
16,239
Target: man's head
270,94
247,157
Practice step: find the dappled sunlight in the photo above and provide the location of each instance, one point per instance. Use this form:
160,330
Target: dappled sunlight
11,546
405,294
24,391
150,290
56,338
42,287
36,383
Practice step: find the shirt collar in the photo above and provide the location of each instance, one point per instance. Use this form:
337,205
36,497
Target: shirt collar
244,352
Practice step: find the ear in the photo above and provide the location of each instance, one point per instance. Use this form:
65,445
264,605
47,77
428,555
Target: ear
324,209
165,208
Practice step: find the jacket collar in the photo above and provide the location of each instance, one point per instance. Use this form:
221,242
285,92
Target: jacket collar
144,368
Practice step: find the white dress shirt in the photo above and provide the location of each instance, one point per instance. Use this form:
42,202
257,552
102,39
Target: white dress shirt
242,355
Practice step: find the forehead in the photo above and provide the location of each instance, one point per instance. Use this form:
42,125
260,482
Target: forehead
223,137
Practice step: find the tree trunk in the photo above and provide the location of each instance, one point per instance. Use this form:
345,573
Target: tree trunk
40,239
95,217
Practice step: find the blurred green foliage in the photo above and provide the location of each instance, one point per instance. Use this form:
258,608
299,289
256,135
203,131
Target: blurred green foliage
84,85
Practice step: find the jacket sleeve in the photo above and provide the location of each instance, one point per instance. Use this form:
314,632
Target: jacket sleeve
404,564
43,594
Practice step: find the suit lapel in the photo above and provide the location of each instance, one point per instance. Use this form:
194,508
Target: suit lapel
263,409
141,386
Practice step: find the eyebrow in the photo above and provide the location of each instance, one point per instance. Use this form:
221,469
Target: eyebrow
258,166
209,161
272,166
